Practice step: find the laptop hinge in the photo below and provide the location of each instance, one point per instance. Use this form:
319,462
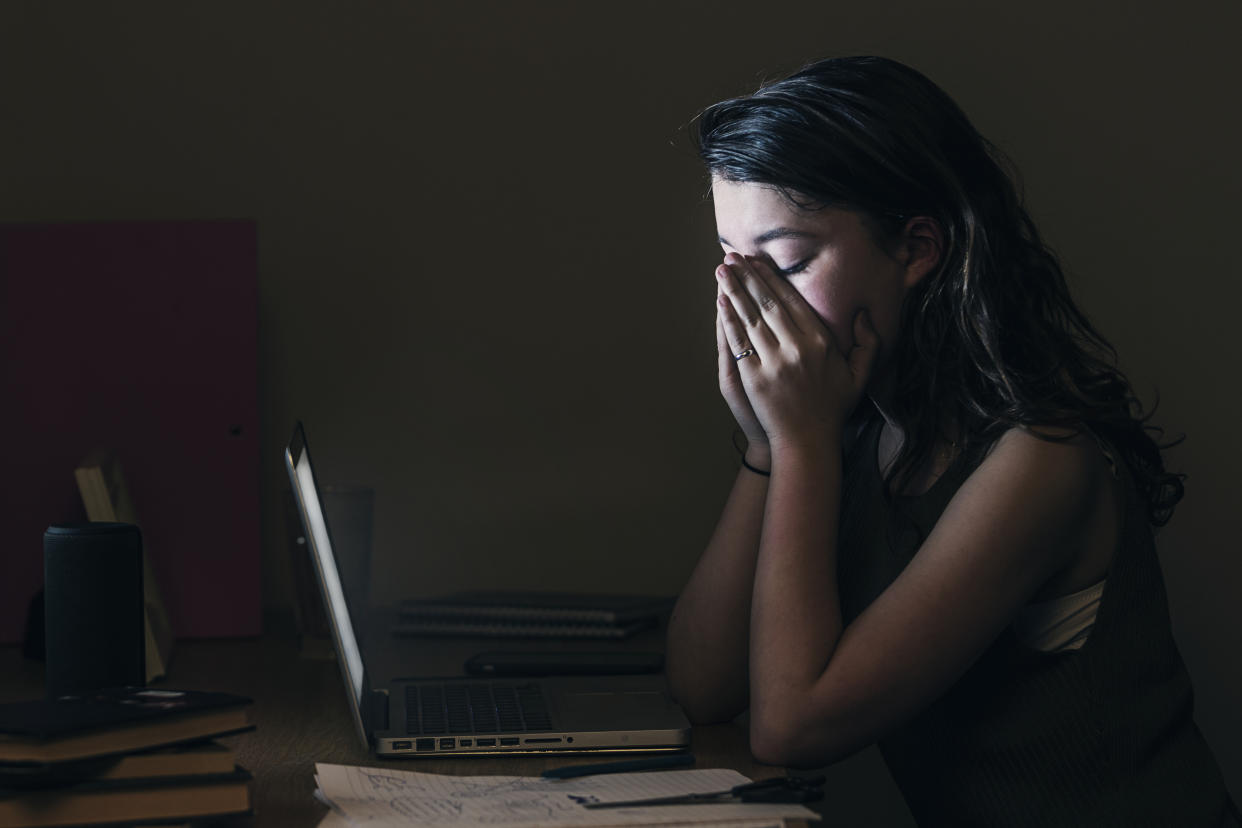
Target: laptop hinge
379,709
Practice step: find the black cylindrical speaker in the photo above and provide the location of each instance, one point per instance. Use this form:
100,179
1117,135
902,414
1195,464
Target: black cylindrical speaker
93,607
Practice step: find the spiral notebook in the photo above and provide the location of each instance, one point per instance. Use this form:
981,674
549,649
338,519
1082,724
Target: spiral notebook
512,614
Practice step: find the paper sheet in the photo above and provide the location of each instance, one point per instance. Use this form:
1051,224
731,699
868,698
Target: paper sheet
379,798
334,820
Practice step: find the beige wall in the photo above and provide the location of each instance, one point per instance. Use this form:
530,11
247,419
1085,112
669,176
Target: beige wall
485,263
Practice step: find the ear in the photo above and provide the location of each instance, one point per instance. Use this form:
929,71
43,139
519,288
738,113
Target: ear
921,248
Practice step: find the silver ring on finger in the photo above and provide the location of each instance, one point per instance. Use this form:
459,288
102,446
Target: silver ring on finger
744,354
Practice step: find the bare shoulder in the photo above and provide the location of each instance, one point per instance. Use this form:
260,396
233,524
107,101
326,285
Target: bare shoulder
1062,480
1070,464
1054,447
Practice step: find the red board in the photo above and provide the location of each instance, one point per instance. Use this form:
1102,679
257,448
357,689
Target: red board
141,337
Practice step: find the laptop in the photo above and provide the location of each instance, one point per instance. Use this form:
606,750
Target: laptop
430,716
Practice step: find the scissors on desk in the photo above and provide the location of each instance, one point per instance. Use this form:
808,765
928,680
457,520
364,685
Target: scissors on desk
776,789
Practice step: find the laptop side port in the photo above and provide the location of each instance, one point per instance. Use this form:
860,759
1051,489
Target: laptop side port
466,743
509,741
485,742
448,744
549,740
425,744
402,744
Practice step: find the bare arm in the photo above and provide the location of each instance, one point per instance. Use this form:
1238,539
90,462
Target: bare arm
710,626
1027,512
709,630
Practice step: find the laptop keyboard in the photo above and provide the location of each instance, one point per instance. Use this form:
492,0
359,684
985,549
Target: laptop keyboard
478,707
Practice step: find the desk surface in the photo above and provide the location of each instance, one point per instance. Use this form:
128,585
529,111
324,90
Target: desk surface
302,717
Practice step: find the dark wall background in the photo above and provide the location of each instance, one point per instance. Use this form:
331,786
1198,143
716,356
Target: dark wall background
485,260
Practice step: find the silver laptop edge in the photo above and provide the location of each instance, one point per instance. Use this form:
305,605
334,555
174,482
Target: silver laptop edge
315,525
657,724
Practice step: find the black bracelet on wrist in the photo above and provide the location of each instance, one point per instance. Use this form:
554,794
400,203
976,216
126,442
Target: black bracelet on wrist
741,452
755,469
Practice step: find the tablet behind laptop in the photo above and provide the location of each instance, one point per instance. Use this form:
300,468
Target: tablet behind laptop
439,716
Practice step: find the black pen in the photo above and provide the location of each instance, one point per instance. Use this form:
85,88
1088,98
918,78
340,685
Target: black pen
671,760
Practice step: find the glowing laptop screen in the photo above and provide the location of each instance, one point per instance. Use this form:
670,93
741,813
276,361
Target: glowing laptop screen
302,476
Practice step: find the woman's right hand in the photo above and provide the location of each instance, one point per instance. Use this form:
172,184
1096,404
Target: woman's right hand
757,451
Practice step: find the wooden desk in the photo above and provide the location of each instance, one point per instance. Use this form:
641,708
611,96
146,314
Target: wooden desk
302,716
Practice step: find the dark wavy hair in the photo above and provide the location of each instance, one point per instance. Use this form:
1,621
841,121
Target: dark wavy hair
992,339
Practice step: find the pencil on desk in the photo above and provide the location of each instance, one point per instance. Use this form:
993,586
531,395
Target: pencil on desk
672,760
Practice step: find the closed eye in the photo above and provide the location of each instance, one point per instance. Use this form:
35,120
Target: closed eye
794,269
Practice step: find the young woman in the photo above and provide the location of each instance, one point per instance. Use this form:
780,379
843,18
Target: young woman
941,535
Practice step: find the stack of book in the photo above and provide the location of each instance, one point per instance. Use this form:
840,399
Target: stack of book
121,756
513,614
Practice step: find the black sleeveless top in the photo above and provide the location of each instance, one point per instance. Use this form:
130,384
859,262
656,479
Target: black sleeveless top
1098,736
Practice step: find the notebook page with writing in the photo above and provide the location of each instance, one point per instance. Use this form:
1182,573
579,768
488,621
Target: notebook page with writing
332,819
378,798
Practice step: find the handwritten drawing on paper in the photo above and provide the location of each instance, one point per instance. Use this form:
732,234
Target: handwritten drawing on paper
377,798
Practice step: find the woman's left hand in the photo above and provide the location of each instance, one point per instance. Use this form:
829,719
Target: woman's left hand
800,383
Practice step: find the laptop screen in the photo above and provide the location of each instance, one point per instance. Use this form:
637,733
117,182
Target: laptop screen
310,507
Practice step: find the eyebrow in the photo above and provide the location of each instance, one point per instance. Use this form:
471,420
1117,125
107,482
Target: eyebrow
774,234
